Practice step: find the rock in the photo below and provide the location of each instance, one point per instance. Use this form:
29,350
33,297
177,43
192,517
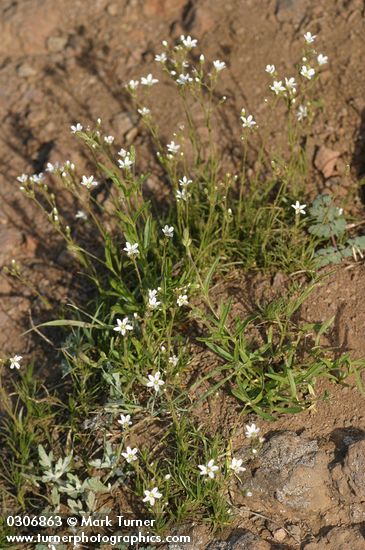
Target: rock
293,471
112,9
123,123
243,540
25,71
353,468
57,43
291,10
325,161
279,535
339,538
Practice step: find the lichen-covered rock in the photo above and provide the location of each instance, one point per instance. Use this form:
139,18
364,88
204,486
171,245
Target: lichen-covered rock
346,538
294,471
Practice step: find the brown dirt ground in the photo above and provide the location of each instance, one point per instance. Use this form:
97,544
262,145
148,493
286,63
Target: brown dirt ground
67,61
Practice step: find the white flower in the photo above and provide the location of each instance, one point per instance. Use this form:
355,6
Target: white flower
168,231
88,182
251,430
80,215
219,65
277,87
153,303
182,300
37,178
248,122
167,477
125,163
152,496
15,361
184,182
181,195
299,208
148,80
130,454
144,111
270,69
189,42
133,84
155,381
208,470
322,59
184,79
51,168
23,178
173,147
173,360
69,166
76,128
123,326
309,37
109,139
291,84
236,465
125,420
131,249
161,58
302,112
307,72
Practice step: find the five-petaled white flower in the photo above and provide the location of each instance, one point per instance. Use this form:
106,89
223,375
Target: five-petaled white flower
188,42
76,128
291,84
144,111
131,249
168,231
184,182
270,69
236,465
251,430
161,58
184,79
173,360
307,72
125,420
23,178
248,122
277,87
322,59
173,147
152,496
130,454
208,469
153,303
309,37
89,182
181,195
302,112
182,300
80,215
148,80
219,65
299,208
37,178
123,326
133,84
109,139
155,381
15,361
